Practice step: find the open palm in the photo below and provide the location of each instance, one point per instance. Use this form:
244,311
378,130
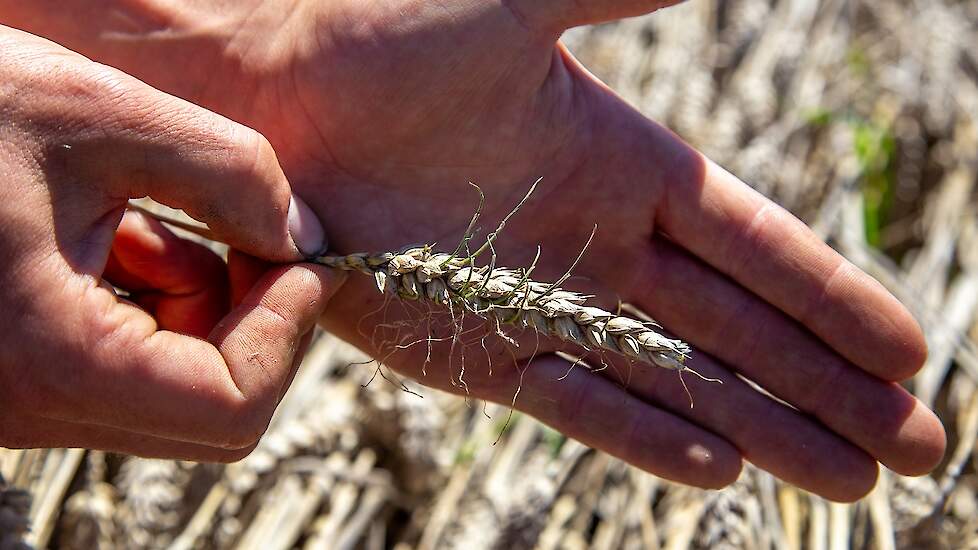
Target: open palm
380,112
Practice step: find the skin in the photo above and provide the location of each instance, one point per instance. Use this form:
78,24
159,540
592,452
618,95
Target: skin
379,113
195,362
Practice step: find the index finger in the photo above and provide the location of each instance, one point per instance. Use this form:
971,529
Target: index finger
773,254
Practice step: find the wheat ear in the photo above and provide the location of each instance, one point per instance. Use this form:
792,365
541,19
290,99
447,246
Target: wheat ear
503,295
507,296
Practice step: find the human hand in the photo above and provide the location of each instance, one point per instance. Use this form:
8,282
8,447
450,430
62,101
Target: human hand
189,376
380,111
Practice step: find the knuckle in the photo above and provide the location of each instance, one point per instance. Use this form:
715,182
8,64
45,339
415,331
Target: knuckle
277,321
746,244
81,104
56,93
97,84
91,96
243,148
117,343
246,151
250,157
270,321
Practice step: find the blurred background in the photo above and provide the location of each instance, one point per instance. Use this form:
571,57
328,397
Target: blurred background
860,116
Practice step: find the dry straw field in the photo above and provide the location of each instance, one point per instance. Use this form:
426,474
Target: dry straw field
860,116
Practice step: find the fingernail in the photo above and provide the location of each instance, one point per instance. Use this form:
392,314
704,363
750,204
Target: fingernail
306,230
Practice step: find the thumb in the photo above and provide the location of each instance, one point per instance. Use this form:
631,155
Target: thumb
219,392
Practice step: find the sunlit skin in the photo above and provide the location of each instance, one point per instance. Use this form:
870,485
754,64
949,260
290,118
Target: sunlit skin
380,112
197,370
